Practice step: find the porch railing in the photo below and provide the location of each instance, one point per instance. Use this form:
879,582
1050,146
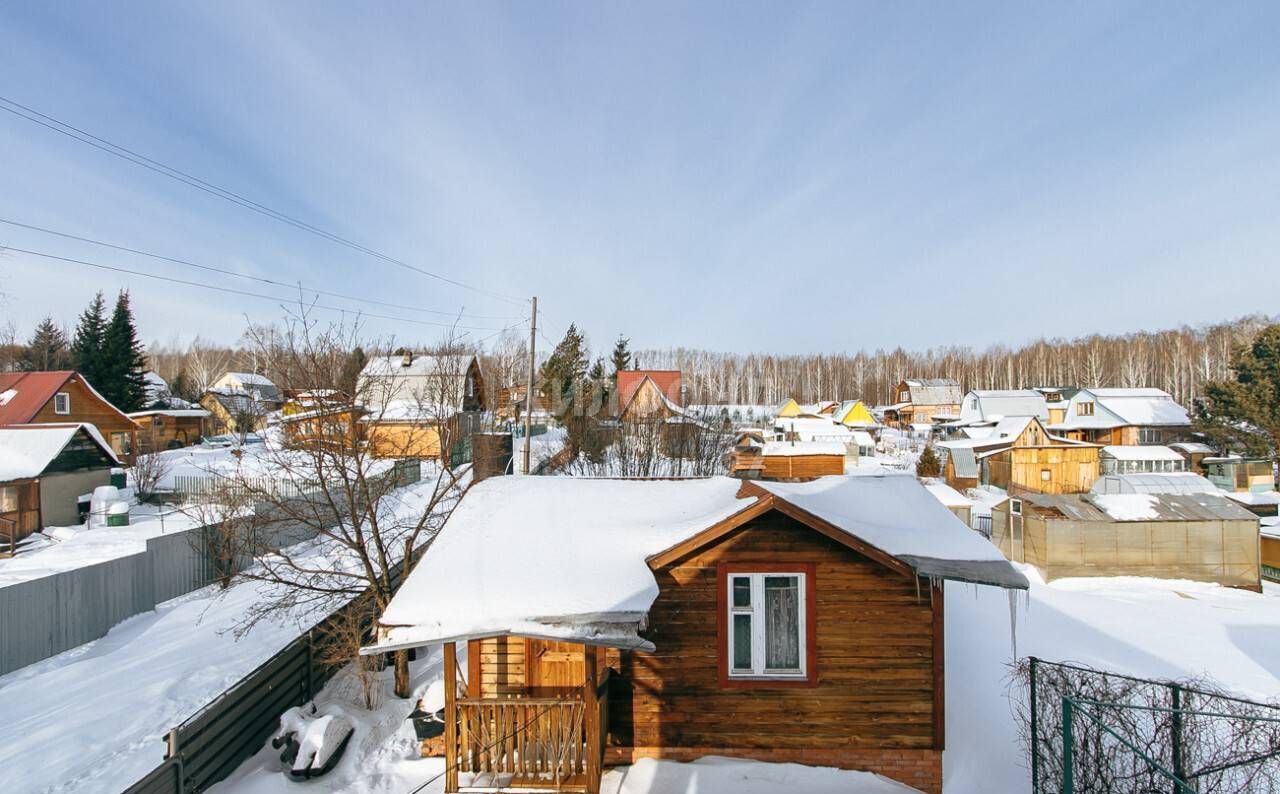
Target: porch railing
538,742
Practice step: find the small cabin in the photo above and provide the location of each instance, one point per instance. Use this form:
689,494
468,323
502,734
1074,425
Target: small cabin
923,401
1123,417
161,429
45,469
789,460
1018,453
1240,475
669,614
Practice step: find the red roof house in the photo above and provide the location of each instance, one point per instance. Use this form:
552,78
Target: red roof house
667,381
64,396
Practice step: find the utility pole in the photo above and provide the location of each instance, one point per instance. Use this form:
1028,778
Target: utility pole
528,395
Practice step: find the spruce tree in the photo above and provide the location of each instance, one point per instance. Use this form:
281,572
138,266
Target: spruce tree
1245,413
621,354
123,384
566,366
47,348
86,345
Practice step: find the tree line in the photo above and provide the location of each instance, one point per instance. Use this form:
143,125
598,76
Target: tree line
1180,360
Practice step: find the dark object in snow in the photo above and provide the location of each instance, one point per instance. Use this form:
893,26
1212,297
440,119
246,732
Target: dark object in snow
313,744
427,724
428,721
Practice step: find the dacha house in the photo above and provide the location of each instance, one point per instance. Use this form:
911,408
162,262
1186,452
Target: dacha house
678,619
62,397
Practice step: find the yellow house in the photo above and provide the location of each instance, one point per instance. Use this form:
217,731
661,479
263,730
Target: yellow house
854,414
789,408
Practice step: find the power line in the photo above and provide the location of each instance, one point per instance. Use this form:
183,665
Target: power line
245,276
233,291
75,133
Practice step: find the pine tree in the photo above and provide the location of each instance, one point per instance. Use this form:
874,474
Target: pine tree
47,348
597,370
122,382
621,354
1245,412
86,345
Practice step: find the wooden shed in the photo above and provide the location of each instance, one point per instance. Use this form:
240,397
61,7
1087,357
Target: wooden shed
1019,454
1199,536
62,397
43,471
162,429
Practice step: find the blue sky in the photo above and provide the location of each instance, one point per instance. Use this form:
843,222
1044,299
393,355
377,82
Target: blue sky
773,177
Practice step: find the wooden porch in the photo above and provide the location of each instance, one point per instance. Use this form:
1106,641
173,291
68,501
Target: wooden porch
550,740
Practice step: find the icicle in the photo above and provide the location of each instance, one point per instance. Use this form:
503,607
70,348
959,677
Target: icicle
1013,621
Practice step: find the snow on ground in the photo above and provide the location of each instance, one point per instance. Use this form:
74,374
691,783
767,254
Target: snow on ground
58,549
93,718
542,448
719,775
382,756
1153,628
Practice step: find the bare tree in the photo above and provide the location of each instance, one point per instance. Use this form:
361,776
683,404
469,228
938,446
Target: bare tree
340,639
342,479
149,470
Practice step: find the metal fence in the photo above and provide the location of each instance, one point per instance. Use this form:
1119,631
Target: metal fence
982,524
214,741
1091,730
55,613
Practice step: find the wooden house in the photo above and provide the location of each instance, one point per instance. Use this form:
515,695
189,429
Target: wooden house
420,406
259,387
923,401
647,401
63,397
302,401
512,402
1123,417
1019,454
666,382
44,469
1173,526
170,428
678,619
234,412
334,426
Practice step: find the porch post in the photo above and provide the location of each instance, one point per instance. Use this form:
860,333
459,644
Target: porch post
450,717
591,715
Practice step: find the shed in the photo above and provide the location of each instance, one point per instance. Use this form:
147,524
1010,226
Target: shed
44,469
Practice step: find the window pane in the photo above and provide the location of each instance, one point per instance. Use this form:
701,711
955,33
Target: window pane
782,622
742,642
741,591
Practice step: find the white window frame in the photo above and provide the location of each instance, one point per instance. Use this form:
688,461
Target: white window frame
758,639
1015,507
63,398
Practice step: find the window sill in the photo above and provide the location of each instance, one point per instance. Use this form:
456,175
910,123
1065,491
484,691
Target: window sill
768,682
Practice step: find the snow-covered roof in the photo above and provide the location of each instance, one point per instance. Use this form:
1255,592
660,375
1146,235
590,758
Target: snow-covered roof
27,450
1193,447
810,428
863,439
934,391
174,412
795,448
947,495
1141,506
554,557
249,378
895,514
1128,452
988,404
1124,407
567,558
1254,498
417,366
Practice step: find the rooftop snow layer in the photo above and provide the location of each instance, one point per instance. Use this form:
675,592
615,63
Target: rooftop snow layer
794,448
895,514
551,556
27,450
1129,452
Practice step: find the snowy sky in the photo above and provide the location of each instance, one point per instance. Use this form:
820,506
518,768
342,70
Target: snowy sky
778,177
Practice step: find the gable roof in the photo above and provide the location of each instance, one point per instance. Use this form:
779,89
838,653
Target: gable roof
667,381
854,413
1140,506
788,408
1124,407
392,379
27,450
991,404
23,394
934,391
573,558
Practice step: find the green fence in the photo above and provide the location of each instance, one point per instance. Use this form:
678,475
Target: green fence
1091,730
